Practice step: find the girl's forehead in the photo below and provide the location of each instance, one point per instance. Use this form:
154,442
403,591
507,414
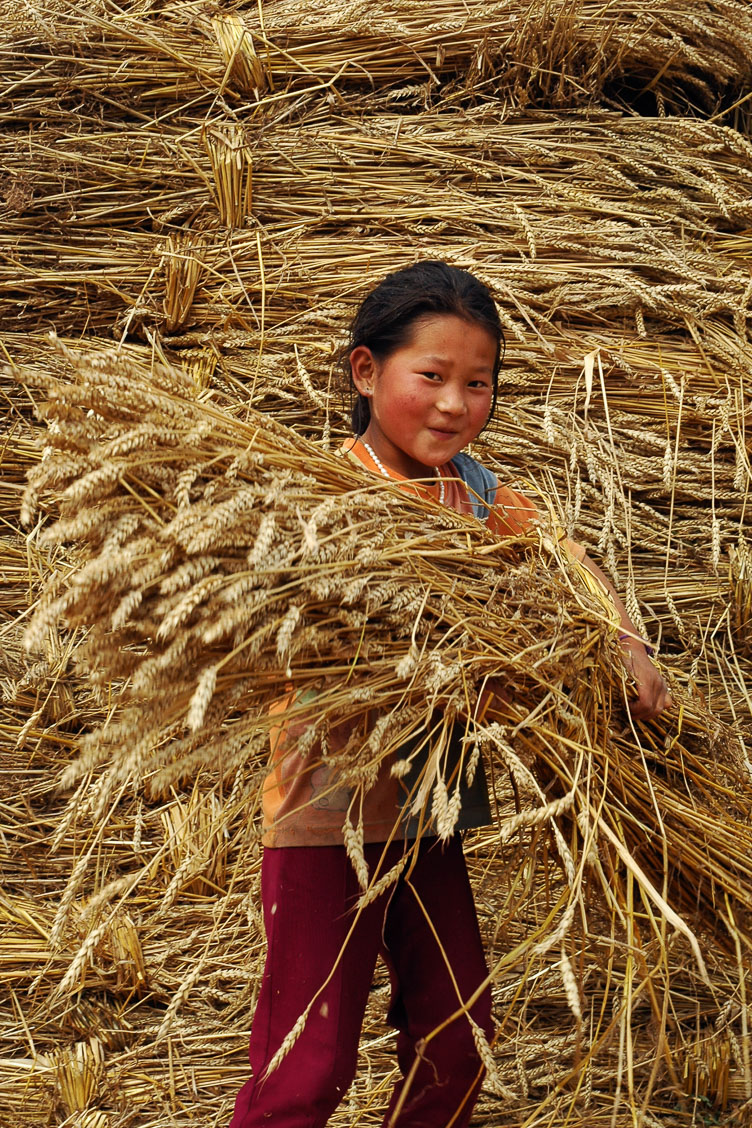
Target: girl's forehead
439,332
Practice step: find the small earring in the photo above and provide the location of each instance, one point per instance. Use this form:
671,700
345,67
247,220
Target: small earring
368,392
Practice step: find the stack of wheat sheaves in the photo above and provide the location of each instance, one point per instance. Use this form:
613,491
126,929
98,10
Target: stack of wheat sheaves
194,200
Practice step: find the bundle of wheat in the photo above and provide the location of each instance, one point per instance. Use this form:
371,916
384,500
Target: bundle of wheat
237,563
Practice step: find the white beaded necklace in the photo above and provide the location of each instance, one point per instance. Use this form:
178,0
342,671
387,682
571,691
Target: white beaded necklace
385,472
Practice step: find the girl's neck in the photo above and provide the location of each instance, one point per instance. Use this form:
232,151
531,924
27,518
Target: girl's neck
390,472
392,462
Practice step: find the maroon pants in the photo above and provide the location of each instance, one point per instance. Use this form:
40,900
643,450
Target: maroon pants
426,929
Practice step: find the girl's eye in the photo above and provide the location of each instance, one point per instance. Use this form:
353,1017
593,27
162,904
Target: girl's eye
431,375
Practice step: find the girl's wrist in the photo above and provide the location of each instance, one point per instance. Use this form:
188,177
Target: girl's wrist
627,637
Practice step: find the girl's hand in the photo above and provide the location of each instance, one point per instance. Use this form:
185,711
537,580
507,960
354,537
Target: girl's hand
652,692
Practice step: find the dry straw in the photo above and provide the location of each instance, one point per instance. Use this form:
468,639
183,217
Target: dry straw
618,247
245,71
231,166
183,268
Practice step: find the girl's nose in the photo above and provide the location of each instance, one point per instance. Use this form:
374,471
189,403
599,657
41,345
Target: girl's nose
451,400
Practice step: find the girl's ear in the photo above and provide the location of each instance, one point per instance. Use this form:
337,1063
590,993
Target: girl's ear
364,370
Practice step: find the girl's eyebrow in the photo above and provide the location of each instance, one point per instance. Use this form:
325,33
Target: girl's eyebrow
433,359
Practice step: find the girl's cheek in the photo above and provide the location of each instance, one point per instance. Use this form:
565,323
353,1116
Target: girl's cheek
483,409
408,400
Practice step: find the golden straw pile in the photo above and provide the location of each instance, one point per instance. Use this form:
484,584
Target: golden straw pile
194,200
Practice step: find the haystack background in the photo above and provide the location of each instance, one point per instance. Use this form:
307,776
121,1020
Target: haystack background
217,190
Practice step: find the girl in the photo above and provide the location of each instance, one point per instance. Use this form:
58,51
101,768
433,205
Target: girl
424,358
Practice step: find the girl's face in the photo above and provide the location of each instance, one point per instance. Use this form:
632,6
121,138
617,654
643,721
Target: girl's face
429,398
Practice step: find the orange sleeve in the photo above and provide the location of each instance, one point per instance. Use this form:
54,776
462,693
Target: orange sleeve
512,514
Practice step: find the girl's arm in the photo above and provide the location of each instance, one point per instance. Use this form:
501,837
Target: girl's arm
652,692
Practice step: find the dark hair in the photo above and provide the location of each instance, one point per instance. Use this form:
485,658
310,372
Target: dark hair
386,316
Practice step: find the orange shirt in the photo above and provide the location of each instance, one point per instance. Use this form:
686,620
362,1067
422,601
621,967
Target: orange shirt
303,802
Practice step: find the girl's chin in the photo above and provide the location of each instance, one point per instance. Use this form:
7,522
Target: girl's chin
437,457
